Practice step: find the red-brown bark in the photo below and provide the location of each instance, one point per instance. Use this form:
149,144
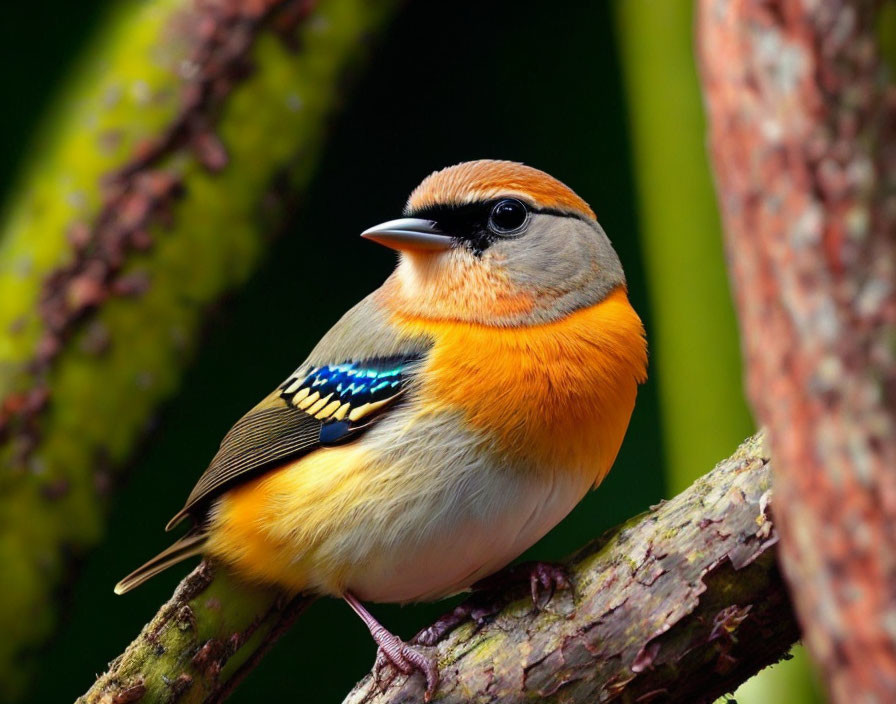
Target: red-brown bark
801,122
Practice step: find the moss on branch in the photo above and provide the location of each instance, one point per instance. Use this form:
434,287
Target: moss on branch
200,644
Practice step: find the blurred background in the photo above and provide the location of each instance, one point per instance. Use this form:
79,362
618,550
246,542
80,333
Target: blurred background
603,96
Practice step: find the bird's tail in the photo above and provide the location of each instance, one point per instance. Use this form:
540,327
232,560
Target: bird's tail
191,544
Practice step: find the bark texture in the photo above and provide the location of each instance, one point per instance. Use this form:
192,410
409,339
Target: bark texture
680,604
802,125
183,138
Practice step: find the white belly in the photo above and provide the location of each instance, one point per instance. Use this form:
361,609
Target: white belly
484,525
431,510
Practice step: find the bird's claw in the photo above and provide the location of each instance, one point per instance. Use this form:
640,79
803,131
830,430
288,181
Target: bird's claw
432,635
381,666
476,609
405,659
546,578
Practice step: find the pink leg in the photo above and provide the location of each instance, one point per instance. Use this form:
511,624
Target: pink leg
394,650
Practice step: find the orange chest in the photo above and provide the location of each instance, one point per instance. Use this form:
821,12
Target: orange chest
559,394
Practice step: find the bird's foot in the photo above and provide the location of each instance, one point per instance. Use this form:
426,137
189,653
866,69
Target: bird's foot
393,651
545,578
405,659
487,599
478,609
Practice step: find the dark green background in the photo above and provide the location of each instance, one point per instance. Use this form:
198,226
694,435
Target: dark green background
527,81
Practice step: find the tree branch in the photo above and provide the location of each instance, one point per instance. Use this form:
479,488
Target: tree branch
682,603
200,644
802,122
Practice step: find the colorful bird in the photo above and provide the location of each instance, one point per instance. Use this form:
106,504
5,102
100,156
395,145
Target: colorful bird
446,422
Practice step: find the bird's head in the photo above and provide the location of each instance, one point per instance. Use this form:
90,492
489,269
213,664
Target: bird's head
497,243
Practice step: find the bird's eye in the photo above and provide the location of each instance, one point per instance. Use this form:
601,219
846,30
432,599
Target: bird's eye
508,217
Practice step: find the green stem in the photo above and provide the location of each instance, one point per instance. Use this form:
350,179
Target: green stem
696,356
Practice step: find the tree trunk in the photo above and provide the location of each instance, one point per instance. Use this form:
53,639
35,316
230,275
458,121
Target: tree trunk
802,136
183,138
681,604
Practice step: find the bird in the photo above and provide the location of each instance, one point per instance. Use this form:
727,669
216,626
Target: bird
446,422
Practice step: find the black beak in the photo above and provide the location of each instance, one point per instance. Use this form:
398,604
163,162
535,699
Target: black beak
409,234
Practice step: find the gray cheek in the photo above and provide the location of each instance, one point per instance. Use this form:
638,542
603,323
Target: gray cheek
570,260
548,256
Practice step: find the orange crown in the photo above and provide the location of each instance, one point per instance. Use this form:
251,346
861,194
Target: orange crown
486,179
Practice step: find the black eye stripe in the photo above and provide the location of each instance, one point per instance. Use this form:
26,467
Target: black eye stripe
469,222
462,221
468,211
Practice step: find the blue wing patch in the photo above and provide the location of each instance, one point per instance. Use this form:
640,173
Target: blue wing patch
344,396
316,406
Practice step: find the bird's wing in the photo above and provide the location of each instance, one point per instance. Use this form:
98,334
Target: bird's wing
317,405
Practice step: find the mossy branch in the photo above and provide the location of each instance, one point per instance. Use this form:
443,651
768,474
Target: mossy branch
182,140
682,604
200,644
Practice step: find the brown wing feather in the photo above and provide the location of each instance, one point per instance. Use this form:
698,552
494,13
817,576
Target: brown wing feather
268,434
185,547
288,424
